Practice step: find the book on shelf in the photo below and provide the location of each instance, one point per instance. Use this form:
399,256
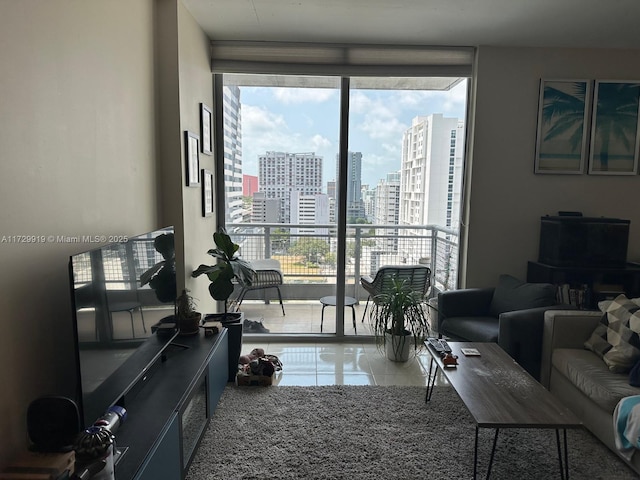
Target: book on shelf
578,296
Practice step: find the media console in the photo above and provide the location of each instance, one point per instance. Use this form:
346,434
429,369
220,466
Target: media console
167,417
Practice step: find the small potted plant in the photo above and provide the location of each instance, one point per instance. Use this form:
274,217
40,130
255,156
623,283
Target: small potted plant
399,321
229,266
188,317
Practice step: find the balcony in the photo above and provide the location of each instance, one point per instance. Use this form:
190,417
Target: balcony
307,256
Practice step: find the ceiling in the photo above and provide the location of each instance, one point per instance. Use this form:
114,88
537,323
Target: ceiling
519,23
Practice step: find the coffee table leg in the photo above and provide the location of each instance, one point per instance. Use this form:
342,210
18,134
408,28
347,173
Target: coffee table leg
493,452
475,456
431,381
564,463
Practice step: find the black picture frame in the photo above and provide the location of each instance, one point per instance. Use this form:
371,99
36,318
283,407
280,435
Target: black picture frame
207,193
206,129
192,158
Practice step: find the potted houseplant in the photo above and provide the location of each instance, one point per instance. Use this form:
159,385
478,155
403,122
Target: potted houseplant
399,321
229,266
186,314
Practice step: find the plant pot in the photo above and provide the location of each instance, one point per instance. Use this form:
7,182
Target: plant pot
233,324
398,347
189,325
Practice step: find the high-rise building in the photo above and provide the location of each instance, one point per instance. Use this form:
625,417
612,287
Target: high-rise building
431,170
387,209
311,210
249,185
355,208
232,154
281,173
265,210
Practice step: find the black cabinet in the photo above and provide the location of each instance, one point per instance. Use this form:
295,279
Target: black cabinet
586,286
168,416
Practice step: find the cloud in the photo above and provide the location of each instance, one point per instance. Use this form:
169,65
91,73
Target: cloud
289,96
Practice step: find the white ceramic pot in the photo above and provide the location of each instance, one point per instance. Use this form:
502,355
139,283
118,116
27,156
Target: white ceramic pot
397,347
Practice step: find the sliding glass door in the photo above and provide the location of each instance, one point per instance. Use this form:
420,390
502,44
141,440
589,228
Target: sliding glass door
328,178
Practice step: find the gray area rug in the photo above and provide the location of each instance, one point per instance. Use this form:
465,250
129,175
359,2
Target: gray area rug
375,432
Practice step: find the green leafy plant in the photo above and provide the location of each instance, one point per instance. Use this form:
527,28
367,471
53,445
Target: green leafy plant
187,315
228,267
162,276
400,312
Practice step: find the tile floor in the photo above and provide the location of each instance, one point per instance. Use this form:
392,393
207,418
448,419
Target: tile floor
307,364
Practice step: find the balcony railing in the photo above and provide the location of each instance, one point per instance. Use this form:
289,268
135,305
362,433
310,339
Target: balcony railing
307,253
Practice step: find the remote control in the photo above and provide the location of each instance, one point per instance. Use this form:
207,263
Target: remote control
435,344
445,346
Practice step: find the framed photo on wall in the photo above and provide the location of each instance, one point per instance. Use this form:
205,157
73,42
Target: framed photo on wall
192,159
206,129
207,193
614,128
563,114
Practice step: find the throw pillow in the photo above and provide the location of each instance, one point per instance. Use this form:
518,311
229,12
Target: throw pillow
512,294
617,337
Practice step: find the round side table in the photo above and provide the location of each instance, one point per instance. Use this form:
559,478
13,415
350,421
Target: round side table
332,301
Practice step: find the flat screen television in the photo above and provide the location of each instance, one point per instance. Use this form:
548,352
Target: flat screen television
121,327
576,241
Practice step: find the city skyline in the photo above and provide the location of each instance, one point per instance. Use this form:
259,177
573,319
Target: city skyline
298,120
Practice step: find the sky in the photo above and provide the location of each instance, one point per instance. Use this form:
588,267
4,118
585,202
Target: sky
300,120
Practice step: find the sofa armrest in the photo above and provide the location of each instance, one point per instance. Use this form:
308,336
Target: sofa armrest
564,329
464,303
520,335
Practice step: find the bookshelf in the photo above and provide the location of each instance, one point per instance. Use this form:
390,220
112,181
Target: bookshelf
584,287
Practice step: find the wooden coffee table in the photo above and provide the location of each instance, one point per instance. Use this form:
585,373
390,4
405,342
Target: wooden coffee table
499,393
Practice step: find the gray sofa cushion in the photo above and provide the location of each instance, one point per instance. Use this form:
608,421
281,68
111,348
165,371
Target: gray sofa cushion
475,329
513,294
590,374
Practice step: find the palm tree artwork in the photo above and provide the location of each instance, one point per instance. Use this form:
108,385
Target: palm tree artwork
615,129
561,126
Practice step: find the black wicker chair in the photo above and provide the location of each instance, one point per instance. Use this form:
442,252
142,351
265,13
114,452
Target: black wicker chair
268,275
416,276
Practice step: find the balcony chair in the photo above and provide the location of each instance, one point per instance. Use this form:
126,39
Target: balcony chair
268,275
511,314
418,277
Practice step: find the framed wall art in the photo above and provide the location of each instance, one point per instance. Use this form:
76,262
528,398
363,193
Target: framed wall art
192,159
206,129
614,128
207,193
562,133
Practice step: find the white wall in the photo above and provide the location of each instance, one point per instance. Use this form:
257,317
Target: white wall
95,97
506,198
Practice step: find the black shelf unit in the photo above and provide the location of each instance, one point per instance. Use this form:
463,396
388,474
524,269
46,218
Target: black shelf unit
600,282
160,417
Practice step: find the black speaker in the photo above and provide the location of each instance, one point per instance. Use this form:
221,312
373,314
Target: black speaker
53,423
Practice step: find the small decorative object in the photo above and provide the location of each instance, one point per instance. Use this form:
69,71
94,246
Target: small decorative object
450,360
192,159
188,317
614,130
206,129
207,193
561,143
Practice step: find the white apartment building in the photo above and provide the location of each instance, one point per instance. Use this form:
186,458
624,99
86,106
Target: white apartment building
265,210
282,173
387,209
309,210
232,154
431,170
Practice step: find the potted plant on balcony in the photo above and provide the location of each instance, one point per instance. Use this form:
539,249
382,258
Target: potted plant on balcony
399,321
229,266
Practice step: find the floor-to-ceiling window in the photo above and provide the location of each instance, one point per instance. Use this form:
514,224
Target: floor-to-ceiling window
329,177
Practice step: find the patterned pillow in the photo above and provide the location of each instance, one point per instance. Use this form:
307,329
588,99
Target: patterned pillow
617,337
